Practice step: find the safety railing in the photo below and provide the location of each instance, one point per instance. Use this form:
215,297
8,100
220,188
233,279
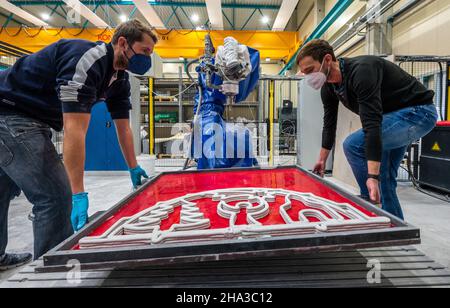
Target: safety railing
433,73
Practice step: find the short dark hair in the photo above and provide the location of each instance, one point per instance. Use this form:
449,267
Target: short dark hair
317,49
133,30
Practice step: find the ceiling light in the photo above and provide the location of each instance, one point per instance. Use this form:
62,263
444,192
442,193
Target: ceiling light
123,18
195,18
45,16
265,19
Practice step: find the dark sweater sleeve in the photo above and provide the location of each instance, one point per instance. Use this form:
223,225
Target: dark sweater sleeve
330,106
366,82
80,69
118,97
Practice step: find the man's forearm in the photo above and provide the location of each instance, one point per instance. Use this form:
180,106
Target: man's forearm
324,153
373,167
74,156
125,137
75,129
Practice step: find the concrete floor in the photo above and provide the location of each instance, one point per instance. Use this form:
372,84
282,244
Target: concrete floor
431,215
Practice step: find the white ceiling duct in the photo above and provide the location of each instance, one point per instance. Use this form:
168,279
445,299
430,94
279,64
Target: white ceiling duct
84,11
214,8
22,14
284,14
149,13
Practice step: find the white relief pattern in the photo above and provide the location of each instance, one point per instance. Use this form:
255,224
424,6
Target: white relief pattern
144,227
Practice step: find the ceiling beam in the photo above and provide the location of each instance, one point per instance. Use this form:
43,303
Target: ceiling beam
159,3
17,11
149,14
177,17
284,14
214,8
84,11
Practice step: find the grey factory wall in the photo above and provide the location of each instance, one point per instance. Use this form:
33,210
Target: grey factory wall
424,31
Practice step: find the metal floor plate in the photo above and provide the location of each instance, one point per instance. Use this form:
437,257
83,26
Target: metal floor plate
400,267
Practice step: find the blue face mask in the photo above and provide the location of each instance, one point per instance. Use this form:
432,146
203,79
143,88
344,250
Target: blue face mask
138,64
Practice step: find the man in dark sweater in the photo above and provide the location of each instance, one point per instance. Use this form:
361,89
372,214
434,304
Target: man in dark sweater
57,88
395,110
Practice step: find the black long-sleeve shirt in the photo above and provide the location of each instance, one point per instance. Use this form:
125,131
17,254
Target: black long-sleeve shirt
371,86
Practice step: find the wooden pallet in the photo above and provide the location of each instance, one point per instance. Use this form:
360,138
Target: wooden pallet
400,267
160,99
169,156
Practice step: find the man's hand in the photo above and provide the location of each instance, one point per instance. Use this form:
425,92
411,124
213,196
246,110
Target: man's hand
319,168
80,206
136,176
374,190
125,137
373,185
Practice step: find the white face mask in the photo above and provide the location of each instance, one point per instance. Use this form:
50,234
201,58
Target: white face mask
316,80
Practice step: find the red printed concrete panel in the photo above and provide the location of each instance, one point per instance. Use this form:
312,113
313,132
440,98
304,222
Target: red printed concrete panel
213,206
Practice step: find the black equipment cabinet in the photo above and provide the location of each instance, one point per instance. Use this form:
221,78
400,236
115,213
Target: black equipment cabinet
434,170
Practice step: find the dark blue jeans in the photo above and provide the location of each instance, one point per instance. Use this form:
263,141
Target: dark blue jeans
30,163
399,130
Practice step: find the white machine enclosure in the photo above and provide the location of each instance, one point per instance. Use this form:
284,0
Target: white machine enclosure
309,127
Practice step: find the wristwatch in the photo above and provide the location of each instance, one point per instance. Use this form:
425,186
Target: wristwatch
374,176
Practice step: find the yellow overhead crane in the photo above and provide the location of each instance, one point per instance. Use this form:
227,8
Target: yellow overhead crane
172,44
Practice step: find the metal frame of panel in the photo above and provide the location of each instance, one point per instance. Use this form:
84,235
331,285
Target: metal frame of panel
400,233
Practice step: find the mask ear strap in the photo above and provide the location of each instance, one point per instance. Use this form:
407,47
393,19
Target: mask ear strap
129,45
125,54
125,51
321,65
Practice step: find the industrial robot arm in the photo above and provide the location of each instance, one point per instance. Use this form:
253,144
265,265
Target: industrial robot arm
231,63
224,77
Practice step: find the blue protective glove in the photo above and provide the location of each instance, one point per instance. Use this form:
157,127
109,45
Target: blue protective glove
80,205
136,174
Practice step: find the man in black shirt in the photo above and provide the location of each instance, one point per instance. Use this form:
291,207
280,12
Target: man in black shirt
395,110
